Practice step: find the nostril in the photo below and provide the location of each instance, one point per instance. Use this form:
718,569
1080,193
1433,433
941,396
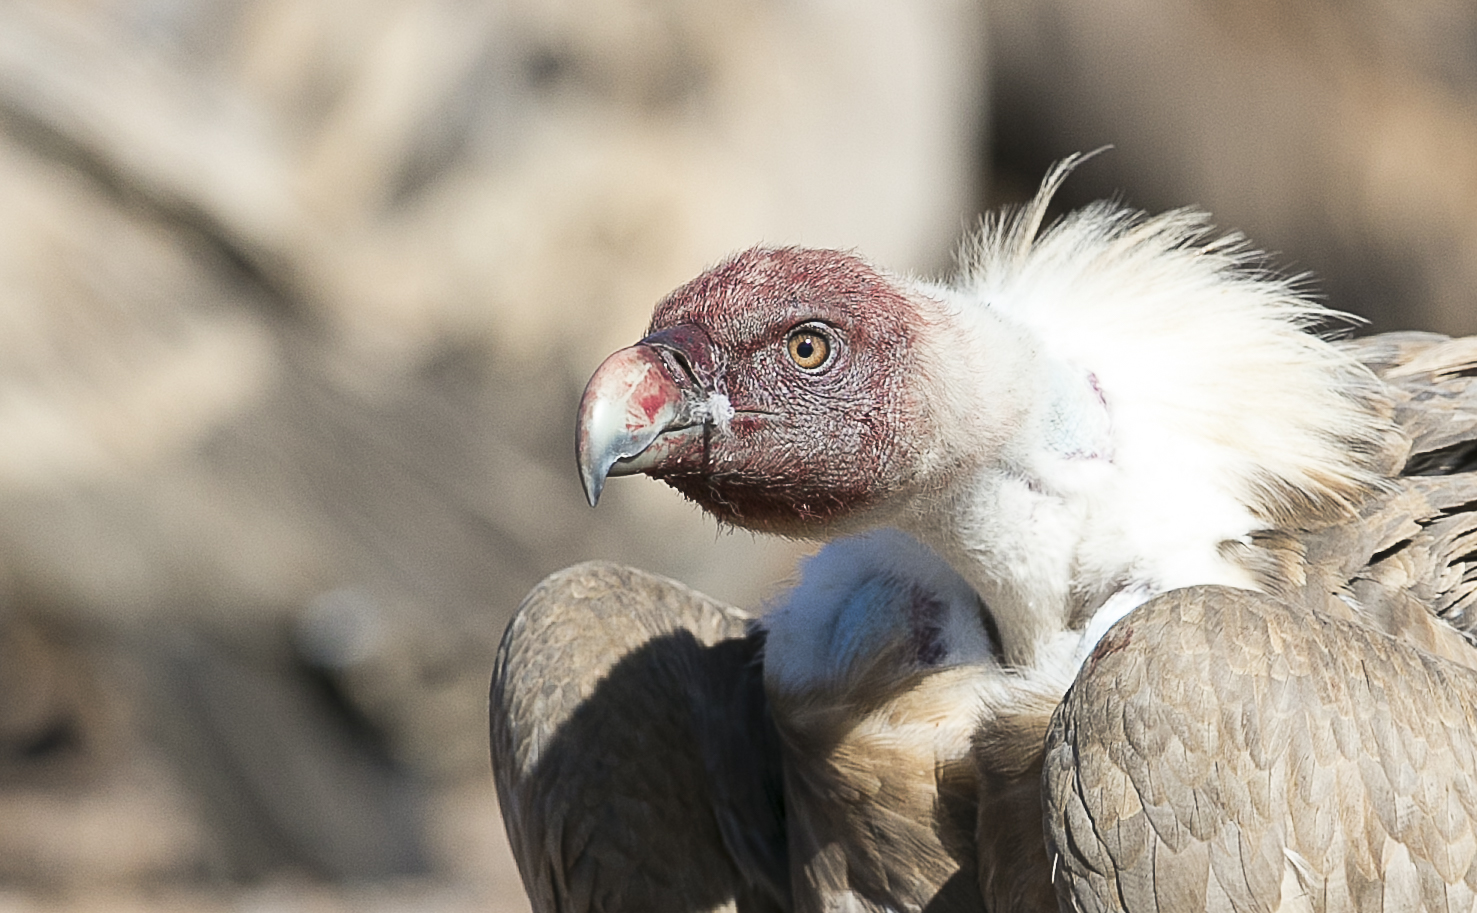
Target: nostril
678,363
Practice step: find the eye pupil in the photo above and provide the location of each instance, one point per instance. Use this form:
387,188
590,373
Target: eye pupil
809,349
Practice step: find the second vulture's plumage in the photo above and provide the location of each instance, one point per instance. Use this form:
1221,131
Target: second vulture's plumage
1110,409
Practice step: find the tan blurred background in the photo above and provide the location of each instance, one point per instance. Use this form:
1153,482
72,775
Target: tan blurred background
296,300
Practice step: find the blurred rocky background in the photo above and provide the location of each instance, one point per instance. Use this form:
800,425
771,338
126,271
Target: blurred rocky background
296,300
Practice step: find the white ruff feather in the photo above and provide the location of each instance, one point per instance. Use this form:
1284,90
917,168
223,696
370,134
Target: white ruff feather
1146,396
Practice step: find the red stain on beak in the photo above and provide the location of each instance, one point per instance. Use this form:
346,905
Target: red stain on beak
653,398
632,399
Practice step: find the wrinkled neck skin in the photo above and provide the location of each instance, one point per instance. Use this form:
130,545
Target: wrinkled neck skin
1041,521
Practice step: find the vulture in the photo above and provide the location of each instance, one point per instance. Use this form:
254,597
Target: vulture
1136,593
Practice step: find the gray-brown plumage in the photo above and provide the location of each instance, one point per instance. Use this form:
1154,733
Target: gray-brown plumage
1225,750
634,759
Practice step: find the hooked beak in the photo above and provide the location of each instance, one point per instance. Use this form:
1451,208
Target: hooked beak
641,408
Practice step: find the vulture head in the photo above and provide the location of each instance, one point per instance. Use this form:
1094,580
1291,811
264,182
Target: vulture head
786,390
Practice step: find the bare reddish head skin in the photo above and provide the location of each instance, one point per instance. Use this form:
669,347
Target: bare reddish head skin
804,449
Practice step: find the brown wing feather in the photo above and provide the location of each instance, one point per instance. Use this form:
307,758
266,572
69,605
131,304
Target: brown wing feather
1405,563
1013,864
1222,750
878,821
634,758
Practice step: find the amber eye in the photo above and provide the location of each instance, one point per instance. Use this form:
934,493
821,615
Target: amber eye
809,348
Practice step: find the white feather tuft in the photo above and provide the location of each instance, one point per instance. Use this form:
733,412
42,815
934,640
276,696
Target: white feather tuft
1137,394
853,602
718,410
1191,338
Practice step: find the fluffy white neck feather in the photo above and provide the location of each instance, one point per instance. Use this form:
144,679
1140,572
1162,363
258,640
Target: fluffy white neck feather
1115,400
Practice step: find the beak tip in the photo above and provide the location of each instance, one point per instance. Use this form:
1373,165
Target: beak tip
592,473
